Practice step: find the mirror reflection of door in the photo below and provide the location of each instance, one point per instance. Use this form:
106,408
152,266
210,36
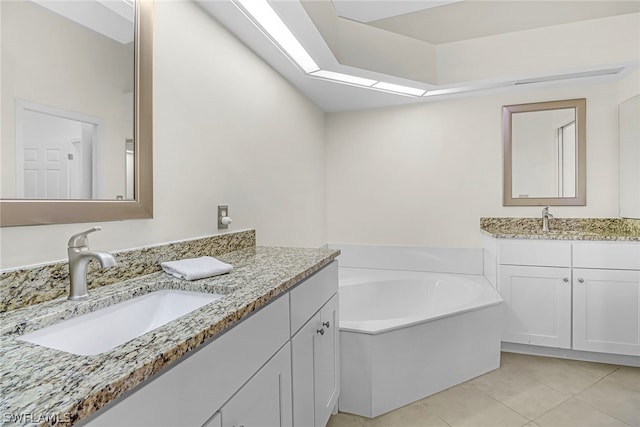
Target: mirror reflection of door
129,162
59,150
629,144
567,160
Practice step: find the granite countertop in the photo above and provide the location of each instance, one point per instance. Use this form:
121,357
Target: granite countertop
46,386
595,229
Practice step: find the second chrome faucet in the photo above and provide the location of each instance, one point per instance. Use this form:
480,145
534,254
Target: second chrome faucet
545,219
79,257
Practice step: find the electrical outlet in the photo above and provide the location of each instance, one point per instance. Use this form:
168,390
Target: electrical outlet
223,211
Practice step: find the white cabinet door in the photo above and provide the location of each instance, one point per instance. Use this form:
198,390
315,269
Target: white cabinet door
315,367
266,399
302,366
606,311
538,301
326,366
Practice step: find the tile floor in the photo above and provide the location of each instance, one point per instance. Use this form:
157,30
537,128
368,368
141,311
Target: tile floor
529,391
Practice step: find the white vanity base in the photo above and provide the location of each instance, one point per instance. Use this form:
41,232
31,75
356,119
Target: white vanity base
562,353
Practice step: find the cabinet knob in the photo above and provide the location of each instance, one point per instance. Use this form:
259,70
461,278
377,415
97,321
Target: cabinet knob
581,280
326,324
320,331
565,280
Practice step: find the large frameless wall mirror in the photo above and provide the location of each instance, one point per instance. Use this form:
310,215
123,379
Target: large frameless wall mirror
545,153
76,93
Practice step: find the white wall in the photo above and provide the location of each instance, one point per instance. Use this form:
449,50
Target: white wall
424,174
227,130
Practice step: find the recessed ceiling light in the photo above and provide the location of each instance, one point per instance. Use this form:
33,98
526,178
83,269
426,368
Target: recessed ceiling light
343,78
399,88
270,23
265,18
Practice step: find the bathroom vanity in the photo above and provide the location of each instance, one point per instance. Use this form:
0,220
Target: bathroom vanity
569,292
242,358
246,376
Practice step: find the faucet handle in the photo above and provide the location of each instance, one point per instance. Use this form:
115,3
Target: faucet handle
81,240
545,210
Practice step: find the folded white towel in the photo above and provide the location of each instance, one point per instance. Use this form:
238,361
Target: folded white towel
196,268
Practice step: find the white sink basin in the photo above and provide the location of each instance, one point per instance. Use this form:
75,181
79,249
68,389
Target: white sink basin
107,328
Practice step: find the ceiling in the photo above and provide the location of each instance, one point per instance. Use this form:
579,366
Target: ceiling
449,21
415,43
367,10
111,18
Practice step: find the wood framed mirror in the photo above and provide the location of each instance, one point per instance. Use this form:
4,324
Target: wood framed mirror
23,202
544,146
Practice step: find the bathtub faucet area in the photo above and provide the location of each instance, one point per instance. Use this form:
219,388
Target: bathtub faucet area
79,257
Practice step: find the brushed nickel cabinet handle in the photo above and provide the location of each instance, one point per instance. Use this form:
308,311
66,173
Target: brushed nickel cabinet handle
565,280
581,280
320,331
326,324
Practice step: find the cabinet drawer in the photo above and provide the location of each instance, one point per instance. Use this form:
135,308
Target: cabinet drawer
535,252
616,255
190,392
311,294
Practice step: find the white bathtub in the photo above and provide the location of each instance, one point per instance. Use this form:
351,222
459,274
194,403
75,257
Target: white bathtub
405,335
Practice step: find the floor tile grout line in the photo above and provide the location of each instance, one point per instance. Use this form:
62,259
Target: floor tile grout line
551,409
551,387
587,404
591,372
603,412
565,398
612,372
560,391
503,404
421,402
619,383
598,409
469,383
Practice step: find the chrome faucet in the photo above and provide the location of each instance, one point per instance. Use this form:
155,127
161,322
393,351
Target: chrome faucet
545,219
79,256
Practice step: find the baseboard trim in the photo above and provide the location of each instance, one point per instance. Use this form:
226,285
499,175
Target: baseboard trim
562,353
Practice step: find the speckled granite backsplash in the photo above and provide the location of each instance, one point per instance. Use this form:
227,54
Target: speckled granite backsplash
23,287
600,228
